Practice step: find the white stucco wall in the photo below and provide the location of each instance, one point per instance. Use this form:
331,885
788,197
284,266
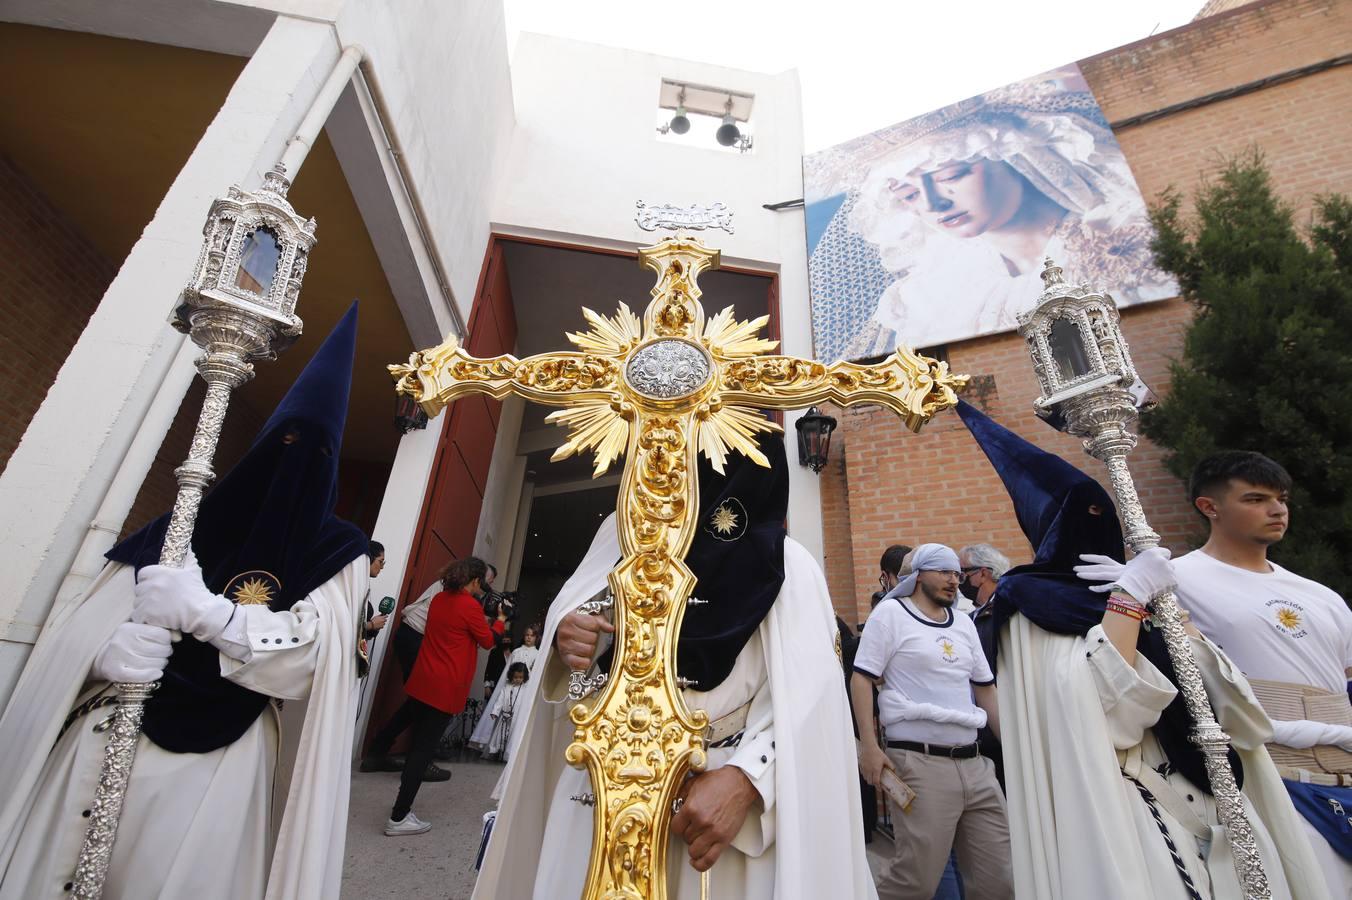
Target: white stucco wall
443,71
585,150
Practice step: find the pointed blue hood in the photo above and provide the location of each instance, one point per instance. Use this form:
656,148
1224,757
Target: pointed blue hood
269,521
1061,510
1063,513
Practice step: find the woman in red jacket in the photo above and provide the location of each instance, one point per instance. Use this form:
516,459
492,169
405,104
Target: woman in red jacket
439,685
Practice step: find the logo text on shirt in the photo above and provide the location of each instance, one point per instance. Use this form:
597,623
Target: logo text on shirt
1288,617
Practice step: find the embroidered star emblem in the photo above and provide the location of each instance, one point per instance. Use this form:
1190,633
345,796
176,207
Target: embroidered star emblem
1288,618
724,520
254,592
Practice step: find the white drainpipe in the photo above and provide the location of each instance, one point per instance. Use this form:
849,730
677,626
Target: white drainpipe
126,483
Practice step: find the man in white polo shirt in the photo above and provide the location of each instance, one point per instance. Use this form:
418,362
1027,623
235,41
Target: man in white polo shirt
935,691
1292,638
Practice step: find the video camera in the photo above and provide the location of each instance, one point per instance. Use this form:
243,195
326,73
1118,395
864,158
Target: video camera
495,600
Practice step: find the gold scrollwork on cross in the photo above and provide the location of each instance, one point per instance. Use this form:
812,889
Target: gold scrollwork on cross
660,390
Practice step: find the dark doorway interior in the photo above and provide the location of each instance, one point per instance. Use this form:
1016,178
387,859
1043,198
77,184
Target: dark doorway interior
560,530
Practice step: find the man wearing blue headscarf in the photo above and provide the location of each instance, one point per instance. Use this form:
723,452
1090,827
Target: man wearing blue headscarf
230,795
935,690
1108,797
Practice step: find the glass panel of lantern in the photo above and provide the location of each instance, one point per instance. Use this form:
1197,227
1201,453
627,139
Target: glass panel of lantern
1068,351
258,261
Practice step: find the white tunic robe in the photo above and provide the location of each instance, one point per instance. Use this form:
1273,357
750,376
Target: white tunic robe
802,841
1073,714
485,727
194,825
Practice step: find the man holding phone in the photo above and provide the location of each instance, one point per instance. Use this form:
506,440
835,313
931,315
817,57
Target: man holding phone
935,690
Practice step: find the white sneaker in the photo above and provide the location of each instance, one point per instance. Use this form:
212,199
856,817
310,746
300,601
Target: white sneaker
410,825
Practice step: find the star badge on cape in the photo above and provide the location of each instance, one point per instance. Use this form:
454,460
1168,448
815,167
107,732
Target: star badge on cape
728,521
253,588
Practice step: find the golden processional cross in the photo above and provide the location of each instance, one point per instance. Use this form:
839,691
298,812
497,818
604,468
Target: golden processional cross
660,390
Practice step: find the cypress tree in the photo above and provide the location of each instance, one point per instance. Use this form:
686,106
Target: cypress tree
1266,363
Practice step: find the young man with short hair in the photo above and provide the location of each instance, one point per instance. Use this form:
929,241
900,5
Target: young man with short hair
936,690
1291,636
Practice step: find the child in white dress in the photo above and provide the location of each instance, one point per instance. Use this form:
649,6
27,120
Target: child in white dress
503,708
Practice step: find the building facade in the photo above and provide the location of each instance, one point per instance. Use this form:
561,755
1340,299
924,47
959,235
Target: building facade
455,193
1265,75
462,189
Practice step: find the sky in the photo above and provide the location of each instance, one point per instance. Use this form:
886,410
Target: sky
863,64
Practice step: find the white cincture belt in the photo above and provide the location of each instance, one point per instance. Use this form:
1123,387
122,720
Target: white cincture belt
1327,779
721,731
1290,702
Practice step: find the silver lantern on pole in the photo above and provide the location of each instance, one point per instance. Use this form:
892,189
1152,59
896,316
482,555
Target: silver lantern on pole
239,307
1090,390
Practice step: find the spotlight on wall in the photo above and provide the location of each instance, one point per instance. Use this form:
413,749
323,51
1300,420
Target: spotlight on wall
680,123
728,132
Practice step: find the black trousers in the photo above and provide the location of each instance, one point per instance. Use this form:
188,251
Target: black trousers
428,724
406,644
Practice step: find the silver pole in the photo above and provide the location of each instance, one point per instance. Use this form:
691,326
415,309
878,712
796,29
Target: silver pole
234,326
1084,366
223,371
1109,441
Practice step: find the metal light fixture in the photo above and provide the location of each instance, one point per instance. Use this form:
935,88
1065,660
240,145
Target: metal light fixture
680,123
408,415
728,132
814,439
1089,389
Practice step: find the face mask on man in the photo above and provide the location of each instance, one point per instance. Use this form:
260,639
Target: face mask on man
969,590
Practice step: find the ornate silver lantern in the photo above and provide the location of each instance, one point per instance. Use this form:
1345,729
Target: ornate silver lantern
1090,389
239,307
251,265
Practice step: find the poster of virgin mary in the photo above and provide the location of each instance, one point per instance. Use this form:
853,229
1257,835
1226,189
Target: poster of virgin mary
935,230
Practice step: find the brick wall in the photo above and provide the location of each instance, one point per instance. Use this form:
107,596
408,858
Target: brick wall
51,281
899,487
1212,7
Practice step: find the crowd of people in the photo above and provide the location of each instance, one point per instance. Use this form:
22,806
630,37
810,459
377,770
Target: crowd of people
1029,716
437,645
1042,729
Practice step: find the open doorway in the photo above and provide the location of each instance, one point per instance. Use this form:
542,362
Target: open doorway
559,529
492,489
561,503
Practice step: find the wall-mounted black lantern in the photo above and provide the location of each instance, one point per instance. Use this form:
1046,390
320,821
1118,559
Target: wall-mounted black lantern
408,415
814,439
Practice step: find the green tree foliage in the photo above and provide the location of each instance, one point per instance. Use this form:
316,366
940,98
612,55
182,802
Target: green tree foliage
1266,362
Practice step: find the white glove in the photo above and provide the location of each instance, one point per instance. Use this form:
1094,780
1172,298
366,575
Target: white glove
177,599
1145,577
1304,733
135,653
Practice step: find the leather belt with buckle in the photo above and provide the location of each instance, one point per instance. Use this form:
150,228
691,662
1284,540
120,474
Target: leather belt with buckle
964,751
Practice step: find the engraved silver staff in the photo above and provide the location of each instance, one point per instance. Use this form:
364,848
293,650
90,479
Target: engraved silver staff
1090,390
239,307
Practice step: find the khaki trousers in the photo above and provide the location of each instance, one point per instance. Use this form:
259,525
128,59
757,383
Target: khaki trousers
958,805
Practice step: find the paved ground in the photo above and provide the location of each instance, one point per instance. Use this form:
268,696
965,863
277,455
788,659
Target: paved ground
439,864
